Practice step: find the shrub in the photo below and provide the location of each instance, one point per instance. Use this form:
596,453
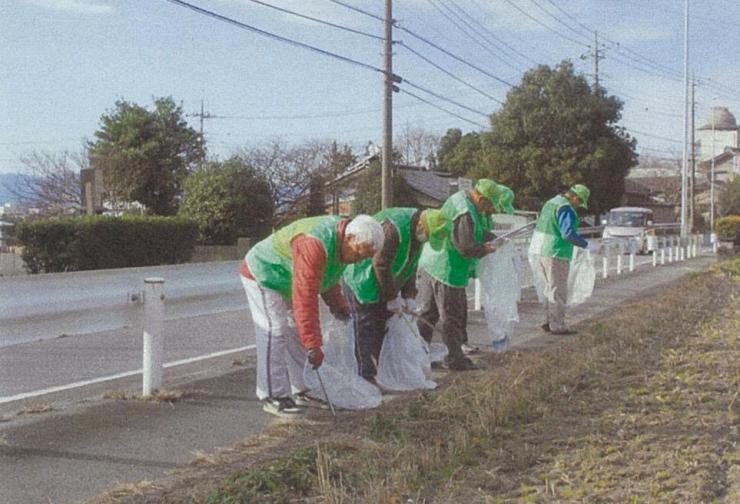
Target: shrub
86,243
728,229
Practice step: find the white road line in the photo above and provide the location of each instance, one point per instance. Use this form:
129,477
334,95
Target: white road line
85,383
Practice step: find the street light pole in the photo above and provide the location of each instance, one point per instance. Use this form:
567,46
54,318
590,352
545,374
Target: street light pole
684,166
711,182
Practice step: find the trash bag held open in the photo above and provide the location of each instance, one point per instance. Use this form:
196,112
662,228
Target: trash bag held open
404,362
500,280
346,389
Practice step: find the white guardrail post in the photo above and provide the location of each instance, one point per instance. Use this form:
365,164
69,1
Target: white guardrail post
670,249
620,251
605,261
633,245
152,360
713,242
662,251
477,306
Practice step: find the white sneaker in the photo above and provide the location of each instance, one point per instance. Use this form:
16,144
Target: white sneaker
469,349
305,400
282,407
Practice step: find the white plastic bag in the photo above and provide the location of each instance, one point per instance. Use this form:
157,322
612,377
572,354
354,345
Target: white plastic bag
581,277
404,358
345,388
501,290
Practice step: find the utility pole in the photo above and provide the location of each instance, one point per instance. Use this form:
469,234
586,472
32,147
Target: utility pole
595,54
386,199
692,181
684,165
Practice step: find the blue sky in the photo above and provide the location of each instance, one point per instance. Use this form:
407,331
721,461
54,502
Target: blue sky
65,62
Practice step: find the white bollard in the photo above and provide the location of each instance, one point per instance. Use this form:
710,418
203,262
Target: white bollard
695,246
681,253
632,262
605,266
670,251
655,258
153,335
619,259
477,301
713,241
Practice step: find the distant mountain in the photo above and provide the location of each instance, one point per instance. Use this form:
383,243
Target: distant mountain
7,180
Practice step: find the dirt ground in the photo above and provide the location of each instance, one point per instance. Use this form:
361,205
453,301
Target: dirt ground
642,406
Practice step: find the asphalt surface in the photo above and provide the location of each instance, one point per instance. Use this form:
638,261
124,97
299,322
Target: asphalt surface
70,446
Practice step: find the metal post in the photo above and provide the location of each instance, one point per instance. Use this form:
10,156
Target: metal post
153,335
684,165
477,294
619,259
655,258
670,250
632,261
605,262
662,254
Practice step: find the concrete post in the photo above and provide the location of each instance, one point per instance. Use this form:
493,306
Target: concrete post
152,361
655,258
605,262
619,258
632,262
670,250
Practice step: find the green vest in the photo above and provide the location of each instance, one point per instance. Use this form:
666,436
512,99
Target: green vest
546,239
447,264
271,261
360,277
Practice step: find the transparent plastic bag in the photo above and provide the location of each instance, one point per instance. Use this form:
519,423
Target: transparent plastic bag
501,290
346,389
581,277
404,358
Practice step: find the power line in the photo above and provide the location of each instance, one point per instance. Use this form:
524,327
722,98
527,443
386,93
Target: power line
539,22
435,65
467,32
357,9
254,29
448,100
560,21
441,108
317,20
454,56
653,136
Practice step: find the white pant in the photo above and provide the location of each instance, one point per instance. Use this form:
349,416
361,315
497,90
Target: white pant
555,274
280,354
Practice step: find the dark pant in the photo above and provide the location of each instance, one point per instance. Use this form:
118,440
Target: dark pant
448,305
370,327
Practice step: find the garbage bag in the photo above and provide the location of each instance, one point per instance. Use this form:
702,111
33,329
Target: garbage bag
501,290
346,389
404,357
581,277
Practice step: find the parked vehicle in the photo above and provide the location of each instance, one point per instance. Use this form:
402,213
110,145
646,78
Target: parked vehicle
632,224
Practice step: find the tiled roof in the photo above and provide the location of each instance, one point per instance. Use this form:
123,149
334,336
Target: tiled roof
433,184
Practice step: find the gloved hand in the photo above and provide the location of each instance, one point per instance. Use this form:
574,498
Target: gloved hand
593,247
395,304
316,357
411,304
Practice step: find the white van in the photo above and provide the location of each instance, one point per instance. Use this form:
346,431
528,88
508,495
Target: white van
631,223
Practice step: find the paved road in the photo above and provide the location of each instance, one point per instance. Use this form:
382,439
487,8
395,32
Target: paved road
87,444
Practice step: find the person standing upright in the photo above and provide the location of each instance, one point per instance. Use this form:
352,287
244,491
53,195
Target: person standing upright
555,235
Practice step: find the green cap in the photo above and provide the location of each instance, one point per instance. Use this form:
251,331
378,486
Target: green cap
488,188
582,192
504,200
435,224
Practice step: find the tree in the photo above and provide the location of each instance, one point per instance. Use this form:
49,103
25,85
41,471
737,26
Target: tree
367,195
729,202
337,160
51,181
552,132
446,144
289,171
464,156
145,155
228,200
316,202
417,146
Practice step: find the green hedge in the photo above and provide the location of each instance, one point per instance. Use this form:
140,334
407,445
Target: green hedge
87,243
728,228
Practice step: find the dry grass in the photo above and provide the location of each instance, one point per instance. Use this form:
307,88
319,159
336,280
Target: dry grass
642,407
162,396
36,409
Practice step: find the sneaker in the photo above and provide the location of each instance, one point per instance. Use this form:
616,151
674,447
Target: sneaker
305,400
469,349
545,327
282,407
463,364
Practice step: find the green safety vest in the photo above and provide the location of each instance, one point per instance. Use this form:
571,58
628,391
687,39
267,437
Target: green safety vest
546,239
271,261
360,277
447,264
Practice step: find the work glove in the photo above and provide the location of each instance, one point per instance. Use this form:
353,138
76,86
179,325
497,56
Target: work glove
316,357
395,304
593,247
411,304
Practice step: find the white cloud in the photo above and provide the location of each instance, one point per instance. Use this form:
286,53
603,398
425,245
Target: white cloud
75,6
